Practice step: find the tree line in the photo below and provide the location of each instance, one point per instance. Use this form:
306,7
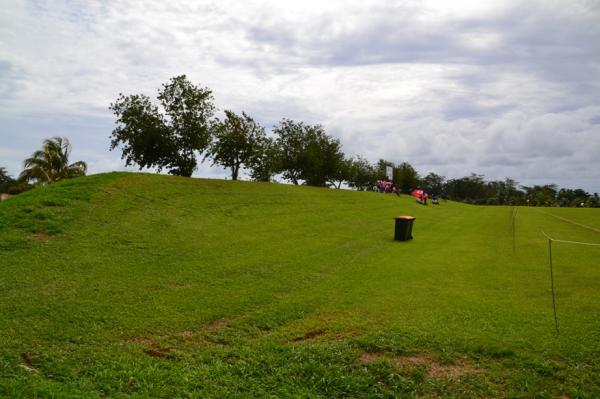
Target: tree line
182,128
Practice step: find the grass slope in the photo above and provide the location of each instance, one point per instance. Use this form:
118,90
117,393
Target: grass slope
153,286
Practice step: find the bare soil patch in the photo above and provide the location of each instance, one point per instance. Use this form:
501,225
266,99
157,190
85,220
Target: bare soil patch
217,324
28,361
158,352
435,370
40,235
309,336
180,286
142,341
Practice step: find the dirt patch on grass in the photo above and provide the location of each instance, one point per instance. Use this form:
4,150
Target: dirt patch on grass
27,359
41,235
158,352
180,286
142,341
217,324
185,334
367,357
435,370
344,336
457,369
309,336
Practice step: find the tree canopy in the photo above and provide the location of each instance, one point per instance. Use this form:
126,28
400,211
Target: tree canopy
307,153
169,137
5,180
51,163
238,141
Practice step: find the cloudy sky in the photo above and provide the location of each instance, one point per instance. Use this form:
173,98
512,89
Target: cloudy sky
500,88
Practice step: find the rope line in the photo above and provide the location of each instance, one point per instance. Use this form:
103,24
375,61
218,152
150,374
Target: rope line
550,241
552,284
591,244
572,222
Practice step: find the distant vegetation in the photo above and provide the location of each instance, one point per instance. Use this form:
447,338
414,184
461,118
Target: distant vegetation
172,135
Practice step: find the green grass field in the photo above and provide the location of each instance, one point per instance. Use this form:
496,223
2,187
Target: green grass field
120,285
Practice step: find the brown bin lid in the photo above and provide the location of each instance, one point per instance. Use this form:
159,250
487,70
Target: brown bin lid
405,217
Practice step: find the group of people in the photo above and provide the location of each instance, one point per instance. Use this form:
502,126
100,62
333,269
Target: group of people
385,185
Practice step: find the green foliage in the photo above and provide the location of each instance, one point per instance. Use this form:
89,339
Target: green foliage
307,153
474,189
4,177
433,184
361,175
265,162
169,138
238,142
406,177
541,195
468,188
51,163
381,166
5,180
160,286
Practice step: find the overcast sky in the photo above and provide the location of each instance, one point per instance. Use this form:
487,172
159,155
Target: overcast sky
500,88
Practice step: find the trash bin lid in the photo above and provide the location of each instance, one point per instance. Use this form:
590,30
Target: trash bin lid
405,217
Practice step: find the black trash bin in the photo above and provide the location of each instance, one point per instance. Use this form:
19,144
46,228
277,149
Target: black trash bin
403,231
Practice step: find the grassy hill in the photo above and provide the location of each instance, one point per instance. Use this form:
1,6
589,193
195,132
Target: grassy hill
154,286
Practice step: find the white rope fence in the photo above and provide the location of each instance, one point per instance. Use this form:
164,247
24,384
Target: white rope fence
572,222
550,241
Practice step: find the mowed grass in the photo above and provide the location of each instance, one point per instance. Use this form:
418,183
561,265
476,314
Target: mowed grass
120,285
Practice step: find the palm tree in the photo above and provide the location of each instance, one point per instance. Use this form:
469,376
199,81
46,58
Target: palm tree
51,163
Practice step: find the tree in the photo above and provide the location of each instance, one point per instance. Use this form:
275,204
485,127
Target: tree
381,167
168,137
361,174
5,180
433,184
326,162
264,163
471,189
307,153
541,195
341,172
405,176
51,163
291,143
238,140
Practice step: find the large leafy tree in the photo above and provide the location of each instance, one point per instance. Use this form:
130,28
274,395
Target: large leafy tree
406,177
264,163
237,142
433,183
308,153
381,167
166,137
361,174
51,163
291,145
